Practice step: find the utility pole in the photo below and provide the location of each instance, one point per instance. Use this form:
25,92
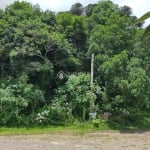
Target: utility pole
91,113
92,70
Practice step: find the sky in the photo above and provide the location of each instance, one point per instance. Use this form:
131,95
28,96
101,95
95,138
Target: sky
139,7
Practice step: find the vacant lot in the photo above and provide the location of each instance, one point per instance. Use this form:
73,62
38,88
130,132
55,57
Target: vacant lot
107,140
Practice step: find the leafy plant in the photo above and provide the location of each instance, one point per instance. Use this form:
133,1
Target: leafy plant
76,95
143,18
18,100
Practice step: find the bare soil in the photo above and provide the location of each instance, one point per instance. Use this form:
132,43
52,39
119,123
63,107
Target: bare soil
104,140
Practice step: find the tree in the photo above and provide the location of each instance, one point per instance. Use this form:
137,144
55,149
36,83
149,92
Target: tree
65,20
125,85
22,10
103,11
48,17
89,9
111,38
36,45
125,11
78,34
141,50
111,33
77,9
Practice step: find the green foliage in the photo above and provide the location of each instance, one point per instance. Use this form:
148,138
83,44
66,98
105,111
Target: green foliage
75,96
143,18
89,9
125,11
49,18
35,45
99,123
64,20
18,100
50,115
22,11
76,9
126,85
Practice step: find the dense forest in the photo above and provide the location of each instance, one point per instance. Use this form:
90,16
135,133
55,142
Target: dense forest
45,63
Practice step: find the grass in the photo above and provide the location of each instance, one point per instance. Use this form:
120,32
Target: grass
77,129
29,130
41,130
142,123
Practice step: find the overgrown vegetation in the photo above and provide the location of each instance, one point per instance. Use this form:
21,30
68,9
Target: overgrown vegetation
35,45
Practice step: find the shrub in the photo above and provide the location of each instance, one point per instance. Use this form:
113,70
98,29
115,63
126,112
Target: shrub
18,101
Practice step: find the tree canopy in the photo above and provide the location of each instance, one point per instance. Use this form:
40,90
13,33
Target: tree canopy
45,63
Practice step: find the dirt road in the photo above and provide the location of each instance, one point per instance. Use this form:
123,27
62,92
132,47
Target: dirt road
67,141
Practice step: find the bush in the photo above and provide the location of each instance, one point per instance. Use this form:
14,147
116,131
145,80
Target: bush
51,115
74,98
18,101
99,123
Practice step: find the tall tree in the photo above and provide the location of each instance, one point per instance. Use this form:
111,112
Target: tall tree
77,9
89,9
125,11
